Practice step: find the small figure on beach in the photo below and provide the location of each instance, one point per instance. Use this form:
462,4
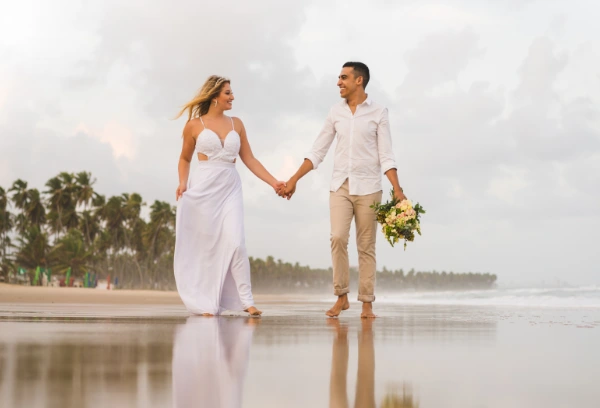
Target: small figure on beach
364,150
212,269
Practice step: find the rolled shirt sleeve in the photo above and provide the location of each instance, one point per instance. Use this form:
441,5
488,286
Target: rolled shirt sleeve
322,143
384,143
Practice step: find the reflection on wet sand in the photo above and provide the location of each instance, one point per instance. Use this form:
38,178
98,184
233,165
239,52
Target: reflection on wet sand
398,324
397,399
82,365
365,376
210,359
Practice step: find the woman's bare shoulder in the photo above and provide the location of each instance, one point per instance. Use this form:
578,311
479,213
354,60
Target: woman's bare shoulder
192,128
237,123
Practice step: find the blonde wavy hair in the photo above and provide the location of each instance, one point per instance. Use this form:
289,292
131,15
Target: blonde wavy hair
200,104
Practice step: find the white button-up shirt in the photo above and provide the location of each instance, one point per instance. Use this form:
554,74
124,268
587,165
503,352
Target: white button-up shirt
364,146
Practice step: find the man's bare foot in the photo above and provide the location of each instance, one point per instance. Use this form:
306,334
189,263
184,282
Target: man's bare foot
366,325
208,315
341,304
253,311
367,311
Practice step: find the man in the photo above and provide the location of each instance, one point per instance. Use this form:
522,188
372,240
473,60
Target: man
363,150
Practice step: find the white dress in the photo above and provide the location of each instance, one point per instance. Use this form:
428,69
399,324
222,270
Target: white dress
212,270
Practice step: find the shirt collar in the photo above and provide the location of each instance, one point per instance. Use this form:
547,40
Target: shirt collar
367,101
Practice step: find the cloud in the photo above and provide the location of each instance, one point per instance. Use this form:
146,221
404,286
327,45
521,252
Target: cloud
491,131
438,59
539,71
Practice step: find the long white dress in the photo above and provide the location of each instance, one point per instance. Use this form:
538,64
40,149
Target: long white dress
210,359
212,270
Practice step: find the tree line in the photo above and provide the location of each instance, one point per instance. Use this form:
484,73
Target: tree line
276,276
71,228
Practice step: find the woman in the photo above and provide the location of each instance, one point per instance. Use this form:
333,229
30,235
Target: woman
212,270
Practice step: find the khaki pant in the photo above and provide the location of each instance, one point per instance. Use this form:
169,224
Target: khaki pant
343,207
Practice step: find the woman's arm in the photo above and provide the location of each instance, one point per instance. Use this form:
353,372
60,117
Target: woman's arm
187,151
253,164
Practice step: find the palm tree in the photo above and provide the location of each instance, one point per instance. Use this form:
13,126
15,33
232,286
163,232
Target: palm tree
123,229
33,248
85,193
71,252
113,218
133,204
89,225
135,225
62,201
55,193
160,229
6,222
20,200
35,211
6,226
159,240
69,203
84,196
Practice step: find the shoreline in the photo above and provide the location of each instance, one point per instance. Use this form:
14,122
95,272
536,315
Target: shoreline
46,294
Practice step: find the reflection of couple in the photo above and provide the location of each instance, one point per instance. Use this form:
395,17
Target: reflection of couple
210,359
212,269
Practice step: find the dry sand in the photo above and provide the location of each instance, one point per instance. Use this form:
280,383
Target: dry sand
39,294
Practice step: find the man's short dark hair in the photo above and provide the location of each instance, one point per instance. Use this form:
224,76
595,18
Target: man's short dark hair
360,69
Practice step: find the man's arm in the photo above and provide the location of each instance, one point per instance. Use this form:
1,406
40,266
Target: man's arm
314,158
392,175
290,186
386,155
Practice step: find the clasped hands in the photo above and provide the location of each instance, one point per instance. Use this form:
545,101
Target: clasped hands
285,190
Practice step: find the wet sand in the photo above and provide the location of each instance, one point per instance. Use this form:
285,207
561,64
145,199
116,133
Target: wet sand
145,354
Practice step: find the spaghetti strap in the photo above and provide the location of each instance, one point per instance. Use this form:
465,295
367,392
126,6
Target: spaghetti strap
232,127
201,121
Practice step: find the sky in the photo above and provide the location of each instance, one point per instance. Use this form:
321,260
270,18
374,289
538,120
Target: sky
494,110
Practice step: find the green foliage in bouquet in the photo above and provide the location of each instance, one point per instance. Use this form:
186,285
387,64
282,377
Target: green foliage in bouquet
399,220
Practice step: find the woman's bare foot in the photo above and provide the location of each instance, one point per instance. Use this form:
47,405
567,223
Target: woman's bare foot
367,311
253,311
252,322
341,304
341,329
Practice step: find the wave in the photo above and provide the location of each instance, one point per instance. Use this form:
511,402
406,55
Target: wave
573,297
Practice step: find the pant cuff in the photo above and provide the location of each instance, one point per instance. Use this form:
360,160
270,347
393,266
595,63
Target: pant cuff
366,298
340,292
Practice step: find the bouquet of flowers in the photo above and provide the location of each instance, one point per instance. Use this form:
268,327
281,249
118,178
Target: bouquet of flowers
399,220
